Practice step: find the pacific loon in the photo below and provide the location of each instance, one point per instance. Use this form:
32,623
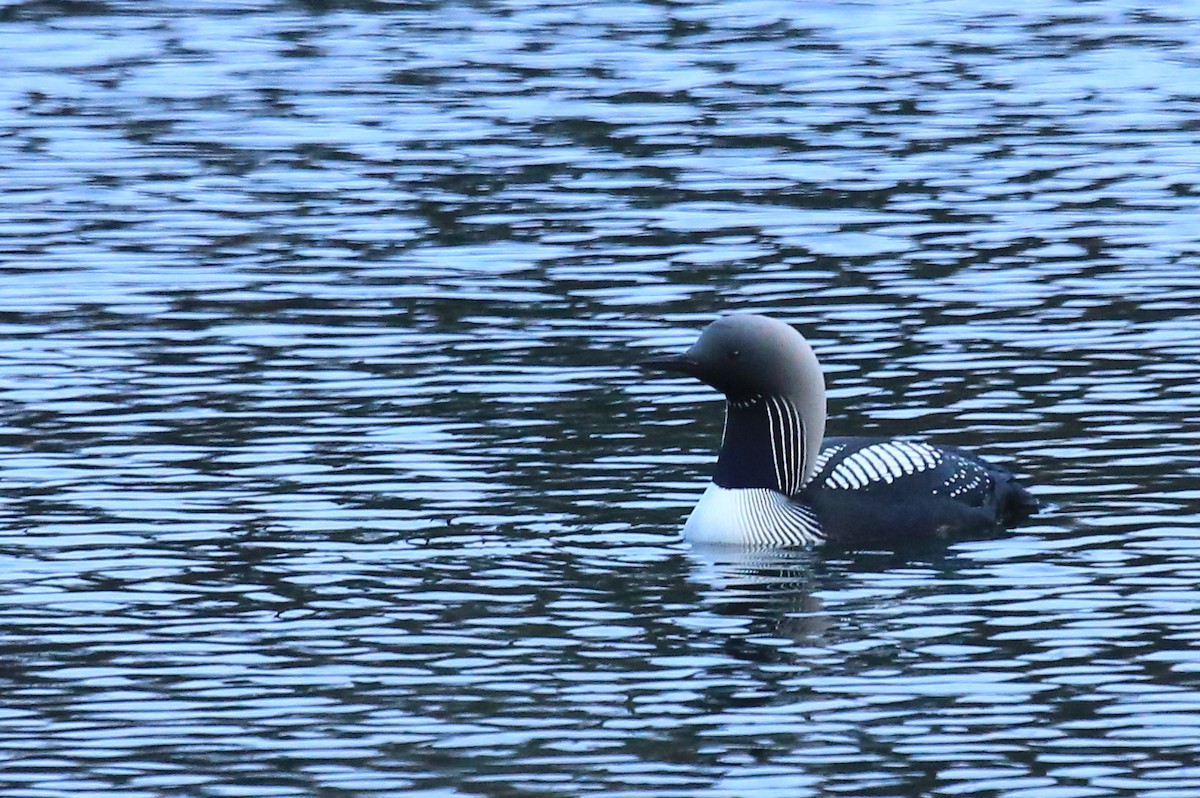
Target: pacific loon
780,482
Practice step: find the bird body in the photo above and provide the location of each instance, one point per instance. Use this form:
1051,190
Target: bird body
780,482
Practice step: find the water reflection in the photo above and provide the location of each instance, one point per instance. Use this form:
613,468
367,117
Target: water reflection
760,592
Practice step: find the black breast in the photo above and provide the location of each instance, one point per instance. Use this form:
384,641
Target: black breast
877,490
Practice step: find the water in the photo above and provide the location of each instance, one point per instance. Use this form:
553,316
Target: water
325,472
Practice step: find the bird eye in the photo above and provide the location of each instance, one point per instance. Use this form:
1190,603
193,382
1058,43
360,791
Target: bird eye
734,354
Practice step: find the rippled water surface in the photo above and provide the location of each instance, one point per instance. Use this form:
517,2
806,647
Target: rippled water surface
325,472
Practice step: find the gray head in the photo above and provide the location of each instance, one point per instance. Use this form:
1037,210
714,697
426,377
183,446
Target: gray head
755,358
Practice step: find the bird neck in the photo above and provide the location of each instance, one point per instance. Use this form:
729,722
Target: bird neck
766,444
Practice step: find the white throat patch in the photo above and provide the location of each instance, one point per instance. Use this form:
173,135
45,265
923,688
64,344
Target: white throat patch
751,517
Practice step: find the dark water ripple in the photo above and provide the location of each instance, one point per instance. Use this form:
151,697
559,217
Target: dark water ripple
325,471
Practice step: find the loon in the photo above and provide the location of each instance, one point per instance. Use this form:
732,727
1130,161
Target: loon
780,482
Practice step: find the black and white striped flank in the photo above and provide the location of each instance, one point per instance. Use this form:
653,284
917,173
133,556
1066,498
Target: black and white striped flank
882,462
823,458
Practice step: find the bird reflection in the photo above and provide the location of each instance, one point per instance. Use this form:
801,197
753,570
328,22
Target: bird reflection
772,589
778,592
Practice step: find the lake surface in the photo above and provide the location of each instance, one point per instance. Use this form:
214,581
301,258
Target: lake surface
324,470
